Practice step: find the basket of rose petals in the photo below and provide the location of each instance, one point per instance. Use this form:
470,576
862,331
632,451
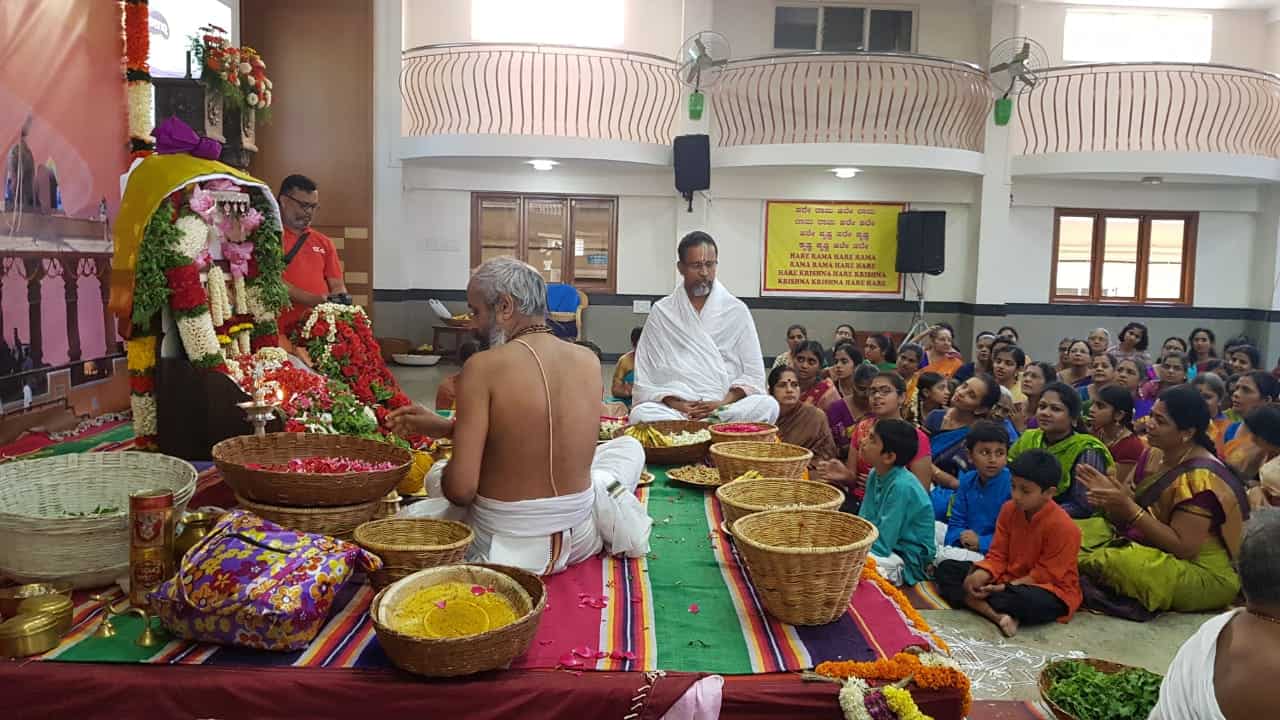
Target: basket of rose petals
310,469
731,432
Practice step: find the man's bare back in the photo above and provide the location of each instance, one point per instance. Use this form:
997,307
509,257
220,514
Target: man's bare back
506,379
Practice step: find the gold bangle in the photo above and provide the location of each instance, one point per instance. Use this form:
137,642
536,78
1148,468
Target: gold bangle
1137,516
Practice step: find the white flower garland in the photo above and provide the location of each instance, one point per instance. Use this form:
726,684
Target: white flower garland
219,305
852,694
198,336
193,236
140,113
145,421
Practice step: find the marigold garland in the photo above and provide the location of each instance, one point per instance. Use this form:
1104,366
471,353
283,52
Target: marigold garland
871,574
137,49
930,676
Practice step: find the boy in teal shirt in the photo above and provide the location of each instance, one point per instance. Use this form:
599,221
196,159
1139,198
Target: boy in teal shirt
897,504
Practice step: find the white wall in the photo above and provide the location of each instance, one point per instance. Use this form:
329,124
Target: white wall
1239,36
955,29
652,26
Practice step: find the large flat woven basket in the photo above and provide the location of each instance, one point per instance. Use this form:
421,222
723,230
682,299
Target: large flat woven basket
804,564
452,657
752,495
407,545
764,433
234,456
339,522
770,459
1045,681
39,542
677,455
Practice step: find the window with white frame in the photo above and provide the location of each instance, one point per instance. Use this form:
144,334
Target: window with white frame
843,28
1135,35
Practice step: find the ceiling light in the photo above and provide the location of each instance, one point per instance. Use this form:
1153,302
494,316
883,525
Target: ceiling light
846,172
1152,180
543,164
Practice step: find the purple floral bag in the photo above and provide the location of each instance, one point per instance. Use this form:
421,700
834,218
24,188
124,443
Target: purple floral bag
255,584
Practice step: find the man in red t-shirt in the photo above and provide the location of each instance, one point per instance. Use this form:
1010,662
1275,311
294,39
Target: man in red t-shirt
313,272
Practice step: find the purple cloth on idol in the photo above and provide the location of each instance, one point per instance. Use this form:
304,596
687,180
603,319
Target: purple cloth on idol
174,136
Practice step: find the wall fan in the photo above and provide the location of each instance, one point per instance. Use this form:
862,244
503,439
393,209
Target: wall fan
702,59
1013,70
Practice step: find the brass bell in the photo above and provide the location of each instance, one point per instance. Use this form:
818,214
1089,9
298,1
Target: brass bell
148,637
105,628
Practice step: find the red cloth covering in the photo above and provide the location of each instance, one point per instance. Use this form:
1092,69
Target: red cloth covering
88,690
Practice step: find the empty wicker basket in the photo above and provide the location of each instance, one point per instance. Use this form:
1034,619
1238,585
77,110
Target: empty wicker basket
51,521
234,456
407,545
465,655
771,460
804,564
337,522
752,495
678,454
764,433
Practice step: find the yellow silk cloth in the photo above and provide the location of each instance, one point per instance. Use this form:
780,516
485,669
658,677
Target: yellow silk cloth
150,182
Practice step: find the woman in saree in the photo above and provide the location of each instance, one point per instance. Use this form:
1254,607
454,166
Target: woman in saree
981,363
910,356
1007,362
947,429
1112,423
942,355
1237,449
1172,370
1061,435
796,336
1204,350
1102,371
1077,373
799,423
815,390
1214,393
888,395
1034,379
1170,543
879,352
854,403
1131,374
1243,358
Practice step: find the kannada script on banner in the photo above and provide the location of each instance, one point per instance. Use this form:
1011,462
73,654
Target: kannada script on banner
842,248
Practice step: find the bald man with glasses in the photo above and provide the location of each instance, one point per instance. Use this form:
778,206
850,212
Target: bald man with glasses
313,271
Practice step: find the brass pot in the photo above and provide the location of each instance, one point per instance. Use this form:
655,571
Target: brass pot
12,597
57,605
195,527
29,634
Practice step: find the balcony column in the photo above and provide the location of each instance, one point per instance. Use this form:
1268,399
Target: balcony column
997,254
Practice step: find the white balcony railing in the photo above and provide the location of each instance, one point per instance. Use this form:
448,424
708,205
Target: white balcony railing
514,89
826,97
1150,107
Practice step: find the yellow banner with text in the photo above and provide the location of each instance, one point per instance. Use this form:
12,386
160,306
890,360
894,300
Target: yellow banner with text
831,248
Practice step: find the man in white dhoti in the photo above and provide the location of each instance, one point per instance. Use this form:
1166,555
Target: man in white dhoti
1225,671
699,355
536,490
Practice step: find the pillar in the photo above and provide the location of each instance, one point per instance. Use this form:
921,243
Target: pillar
71,291
35,273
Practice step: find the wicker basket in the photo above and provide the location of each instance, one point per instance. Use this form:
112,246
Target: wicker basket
1105,666
680,454
752,495
804,564
766,433
39,544
234,455
464,656
407,545
771,460
339,522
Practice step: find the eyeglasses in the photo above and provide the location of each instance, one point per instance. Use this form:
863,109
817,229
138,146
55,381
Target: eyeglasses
700,266
305,206
881,391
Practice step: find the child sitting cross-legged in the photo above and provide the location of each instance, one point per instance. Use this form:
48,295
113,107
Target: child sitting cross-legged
897,504
1029,576
967,533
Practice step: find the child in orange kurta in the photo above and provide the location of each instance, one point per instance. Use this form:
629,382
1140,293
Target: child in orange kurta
1029,576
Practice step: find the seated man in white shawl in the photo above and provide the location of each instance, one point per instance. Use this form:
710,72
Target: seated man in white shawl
1225,671
537,491
699,355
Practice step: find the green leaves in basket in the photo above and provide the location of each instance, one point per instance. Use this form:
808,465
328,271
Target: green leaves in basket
1090,694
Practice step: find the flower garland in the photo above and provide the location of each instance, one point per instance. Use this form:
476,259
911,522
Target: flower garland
168,274
859,701
871,574
238,73
927,670
137,48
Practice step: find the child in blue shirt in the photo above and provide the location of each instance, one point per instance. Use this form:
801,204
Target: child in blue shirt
897,504
967,534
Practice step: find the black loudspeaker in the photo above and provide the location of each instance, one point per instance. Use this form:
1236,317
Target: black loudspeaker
691,156
922,242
